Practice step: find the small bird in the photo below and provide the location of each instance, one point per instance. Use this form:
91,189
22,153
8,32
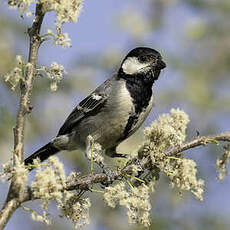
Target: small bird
113,111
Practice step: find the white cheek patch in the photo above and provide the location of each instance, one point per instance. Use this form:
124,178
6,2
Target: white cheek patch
131,65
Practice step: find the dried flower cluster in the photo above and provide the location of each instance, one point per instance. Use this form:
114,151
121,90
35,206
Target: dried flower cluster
55,72
49,181
165,133
68,10
22,6
221,165
75,209
49,184
20,175
17,74
62,39
17,171
135,199
40,217
6,172
183,173
94,151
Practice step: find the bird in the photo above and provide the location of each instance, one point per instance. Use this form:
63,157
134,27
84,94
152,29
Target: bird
113,111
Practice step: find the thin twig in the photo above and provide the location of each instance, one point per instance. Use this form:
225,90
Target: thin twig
26,86
199,142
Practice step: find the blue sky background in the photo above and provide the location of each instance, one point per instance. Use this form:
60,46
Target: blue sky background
95,32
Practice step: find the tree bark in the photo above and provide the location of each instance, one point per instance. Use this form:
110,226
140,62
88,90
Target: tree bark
13,200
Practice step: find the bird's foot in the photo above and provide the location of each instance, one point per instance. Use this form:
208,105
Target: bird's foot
110,176
109,173
113,155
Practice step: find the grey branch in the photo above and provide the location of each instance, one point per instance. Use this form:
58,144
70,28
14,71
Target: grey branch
199,142
87,182
26,86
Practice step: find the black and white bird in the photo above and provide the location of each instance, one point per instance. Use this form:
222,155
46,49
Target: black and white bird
113,111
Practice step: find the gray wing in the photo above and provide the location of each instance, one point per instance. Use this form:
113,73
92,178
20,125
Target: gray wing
91,105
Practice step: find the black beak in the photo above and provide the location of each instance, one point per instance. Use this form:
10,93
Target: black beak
157,68
160,64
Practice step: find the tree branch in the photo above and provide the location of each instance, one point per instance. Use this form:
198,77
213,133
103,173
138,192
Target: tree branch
199,142
87,182
26,87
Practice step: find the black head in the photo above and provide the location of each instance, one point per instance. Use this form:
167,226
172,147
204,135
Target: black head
143,61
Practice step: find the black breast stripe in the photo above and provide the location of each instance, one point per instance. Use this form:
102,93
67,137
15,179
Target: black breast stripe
140,90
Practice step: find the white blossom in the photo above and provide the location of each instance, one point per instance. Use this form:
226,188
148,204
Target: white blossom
68,10
55,72
169,131
136,200
49,184
17,74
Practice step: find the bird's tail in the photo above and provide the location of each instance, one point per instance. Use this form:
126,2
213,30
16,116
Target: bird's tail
43,153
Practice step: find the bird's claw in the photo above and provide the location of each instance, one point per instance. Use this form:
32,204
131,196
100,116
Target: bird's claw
118,155
109,173
110,176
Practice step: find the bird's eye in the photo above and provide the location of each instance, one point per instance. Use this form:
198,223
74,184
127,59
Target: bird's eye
143,58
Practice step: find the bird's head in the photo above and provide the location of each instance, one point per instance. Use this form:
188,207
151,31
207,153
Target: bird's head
144,62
